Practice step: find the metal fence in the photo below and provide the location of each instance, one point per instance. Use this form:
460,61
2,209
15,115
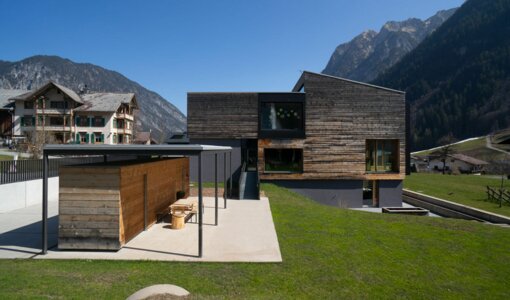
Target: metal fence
31,169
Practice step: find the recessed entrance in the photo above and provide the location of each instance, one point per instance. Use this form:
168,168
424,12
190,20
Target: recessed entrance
371,193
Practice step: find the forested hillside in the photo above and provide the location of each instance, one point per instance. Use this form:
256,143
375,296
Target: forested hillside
458,79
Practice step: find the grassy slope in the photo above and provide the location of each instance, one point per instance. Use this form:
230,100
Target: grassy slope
328,253
5,157
465,189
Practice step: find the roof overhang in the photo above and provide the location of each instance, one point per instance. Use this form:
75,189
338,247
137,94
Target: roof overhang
141,150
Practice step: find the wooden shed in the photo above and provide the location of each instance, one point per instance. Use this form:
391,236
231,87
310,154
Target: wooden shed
103,206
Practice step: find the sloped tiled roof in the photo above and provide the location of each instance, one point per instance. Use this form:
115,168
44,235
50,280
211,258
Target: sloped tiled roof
70,93
105,102
469,159
6,94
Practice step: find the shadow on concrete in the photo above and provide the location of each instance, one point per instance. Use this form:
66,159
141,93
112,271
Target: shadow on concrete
27,239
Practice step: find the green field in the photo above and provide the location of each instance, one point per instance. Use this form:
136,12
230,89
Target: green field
465,189
5,157
328,253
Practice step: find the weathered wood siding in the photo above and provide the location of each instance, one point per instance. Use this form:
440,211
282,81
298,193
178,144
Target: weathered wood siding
102,206
340,117
222,115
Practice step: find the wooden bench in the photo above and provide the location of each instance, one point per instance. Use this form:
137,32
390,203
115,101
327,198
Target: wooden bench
187,206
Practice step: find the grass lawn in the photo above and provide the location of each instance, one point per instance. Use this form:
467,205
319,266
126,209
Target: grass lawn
5,157
465,189
328,253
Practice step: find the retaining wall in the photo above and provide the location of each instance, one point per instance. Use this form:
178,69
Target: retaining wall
22,194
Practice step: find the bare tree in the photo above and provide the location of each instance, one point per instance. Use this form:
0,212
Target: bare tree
36,140
446,150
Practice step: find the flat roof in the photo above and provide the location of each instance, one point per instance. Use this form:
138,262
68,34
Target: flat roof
180,149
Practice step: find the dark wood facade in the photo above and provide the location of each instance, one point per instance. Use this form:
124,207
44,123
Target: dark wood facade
340,116
222,115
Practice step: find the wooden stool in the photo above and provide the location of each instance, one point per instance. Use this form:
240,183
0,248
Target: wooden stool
178,220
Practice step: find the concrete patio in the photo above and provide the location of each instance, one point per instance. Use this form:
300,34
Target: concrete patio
245,233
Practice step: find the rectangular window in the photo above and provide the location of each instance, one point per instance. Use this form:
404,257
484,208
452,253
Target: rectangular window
281,115
98,137
98,122
56,121
382,156
58,104
84,138
28,105
82,121
283,160
28,120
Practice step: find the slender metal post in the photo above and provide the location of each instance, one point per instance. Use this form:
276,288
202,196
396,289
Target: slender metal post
216,189
45,205
225,180
230,180
145,202
200,205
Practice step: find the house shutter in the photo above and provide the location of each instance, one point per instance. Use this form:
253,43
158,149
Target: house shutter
77,121
33,121
102,138
86,138
92,138
78,138
22,121
103,122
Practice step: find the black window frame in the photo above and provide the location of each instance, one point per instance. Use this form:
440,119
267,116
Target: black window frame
282,98
301,169
395,146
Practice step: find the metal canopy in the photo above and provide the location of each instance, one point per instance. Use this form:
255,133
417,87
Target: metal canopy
141,150
181,149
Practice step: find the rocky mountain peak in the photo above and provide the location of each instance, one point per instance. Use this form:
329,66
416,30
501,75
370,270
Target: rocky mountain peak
370,53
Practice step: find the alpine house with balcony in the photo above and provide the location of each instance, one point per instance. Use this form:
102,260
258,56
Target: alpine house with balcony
338,141
106,118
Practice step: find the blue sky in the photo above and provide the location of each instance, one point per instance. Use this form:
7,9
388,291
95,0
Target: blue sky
173,47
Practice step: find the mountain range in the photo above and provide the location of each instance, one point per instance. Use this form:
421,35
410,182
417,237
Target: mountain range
458,79
371,53
156,113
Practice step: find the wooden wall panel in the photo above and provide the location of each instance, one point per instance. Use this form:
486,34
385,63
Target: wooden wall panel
102,206
222,115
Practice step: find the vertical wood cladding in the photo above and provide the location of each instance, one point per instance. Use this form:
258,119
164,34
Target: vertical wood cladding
102,206
222,115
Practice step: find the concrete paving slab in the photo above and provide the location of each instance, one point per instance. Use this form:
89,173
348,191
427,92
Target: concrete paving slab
245,233
20,231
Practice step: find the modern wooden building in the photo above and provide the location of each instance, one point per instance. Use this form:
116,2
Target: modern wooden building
338,141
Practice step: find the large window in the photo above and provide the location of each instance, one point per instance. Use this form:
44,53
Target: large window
281,115
283,160
382,156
